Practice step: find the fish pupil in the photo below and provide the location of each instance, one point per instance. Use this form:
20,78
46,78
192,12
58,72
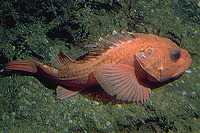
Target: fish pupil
176,55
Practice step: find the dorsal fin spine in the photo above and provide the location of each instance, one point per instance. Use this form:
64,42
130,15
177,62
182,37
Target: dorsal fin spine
119,36
126,35
109,42
112,39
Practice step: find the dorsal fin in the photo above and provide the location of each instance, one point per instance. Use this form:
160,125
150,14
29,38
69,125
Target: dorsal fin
61,60
109,42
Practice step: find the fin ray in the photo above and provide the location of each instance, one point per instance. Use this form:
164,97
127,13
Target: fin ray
63,93
23,65
110,41
62,60
125,85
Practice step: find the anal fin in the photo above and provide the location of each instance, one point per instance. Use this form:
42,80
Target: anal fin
63,93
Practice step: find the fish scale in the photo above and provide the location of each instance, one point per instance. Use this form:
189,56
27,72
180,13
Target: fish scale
119,63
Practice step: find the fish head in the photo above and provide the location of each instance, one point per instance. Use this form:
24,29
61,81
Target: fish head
164,61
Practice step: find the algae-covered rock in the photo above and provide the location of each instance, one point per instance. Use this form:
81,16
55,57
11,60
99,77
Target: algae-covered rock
38,29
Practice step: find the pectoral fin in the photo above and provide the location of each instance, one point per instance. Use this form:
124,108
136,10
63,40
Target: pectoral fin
121,80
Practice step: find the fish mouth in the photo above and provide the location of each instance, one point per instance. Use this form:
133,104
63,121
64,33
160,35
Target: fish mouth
181,68
178,75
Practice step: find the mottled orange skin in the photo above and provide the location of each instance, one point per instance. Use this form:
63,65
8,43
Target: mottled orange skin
144,55
122,54
81,70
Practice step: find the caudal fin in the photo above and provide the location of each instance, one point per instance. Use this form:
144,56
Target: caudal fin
23,65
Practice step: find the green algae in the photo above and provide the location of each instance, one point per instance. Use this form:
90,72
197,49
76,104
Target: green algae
38,31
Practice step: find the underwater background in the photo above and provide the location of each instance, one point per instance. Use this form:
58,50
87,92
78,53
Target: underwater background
38,29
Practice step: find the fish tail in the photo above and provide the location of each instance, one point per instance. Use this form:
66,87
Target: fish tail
23,65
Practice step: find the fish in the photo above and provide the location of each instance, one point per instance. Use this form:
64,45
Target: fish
118,63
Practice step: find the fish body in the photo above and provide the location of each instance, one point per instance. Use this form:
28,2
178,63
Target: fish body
118,63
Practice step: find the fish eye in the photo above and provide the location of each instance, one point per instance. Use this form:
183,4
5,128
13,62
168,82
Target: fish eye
175,55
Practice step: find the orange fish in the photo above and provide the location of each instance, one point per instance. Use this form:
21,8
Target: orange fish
118,63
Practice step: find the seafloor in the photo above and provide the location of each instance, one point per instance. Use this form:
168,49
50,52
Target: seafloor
38,29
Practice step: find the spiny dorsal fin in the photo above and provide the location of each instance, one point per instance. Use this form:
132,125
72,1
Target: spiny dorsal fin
61,60
109,42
